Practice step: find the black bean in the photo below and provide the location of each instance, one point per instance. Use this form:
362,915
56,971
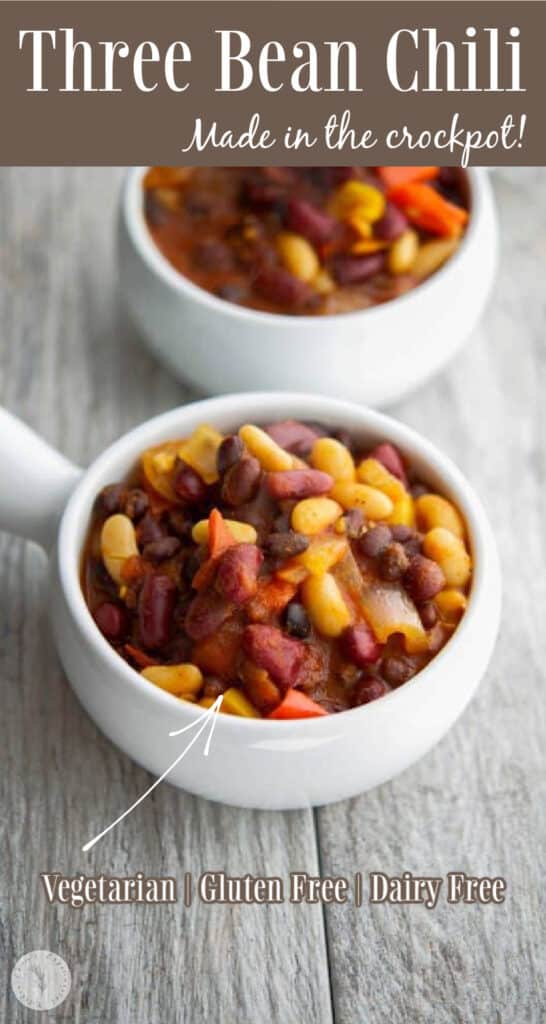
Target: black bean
397,669
374,541
296,621
429,614
424,579
111,498
213,687
188,485
368,690
241,481
229,452
402,533
286,545
393,562
136,503
179,522
148,530
354,523
160,550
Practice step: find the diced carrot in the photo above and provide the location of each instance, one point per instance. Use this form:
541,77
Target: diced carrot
392,176
220,536
204,575
428,209
270,599
297,705
142,660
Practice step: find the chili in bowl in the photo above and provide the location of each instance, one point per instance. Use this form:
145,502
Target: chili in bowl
234,297
285,568
306,240
270,763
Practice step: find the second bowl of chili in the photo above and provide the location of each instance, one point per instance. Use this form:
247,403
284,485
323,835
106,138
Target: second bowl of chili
218,297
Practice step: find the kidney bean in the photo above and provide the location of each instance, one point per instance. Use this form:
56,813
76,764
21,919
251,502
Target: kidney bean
280,655
307,220
112,620
359,645
298,483
241,481
393,223
111,498
423,579
296,620
397,669
148,530
160,550
393,562
229,452
368,690
136,504
294,436
279,286
155,610
237,574
188,485
390,458
374,541
206,613
286,545
355,269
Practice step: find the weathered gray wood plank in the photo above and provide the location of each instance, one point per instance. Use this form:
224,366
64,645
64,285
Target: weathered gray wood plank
70,367
477,802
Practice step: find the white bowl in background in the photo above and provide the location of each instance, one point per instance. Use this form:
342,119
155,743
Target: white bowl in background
373,355
252,763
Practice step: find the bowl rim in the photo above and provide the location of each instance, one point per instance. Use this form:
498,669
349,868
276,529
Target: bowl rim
75,521
133,217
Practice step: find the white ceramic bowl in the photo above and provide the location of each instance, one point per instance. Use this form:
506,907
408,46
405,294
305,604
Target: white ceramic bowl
252,763
374,355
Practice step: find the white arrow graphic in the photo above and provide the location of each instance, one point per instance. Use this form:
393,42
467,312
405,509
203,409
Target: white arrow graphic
209,715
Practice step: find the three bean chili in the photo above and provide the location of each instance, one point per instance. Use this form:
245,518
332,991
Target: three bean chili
306,240
283,567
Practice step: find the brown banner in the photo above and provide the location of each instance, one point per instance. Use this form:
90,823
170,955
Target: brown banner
272,82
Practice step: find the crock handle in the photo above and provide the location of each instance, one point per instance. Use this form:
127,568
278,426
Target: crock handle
35,482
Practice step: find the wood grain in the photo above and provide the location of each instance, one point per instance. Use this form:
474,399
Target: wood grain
71,367
476,803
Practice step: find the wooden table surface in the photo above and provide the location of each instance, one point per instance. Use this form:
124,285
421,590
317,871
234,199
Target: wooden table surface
71,367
